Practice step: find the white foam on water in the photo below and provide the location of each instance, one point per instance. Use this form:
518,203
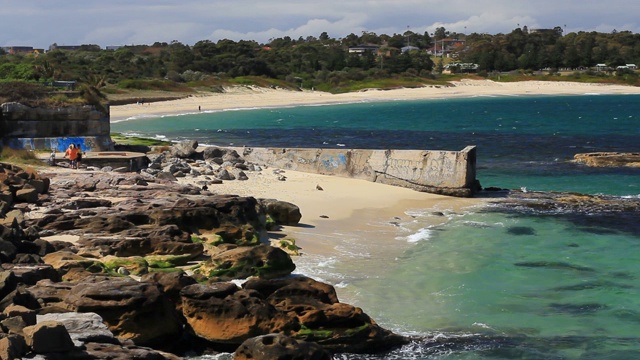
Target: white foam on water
421,235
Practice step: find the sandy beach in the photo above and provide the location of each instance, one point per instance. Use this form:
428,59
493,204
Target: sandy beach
347,205
244,97
332,204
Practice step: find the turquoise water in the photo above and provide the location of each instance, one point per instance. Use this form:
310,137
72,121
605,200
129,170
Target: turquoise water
493,282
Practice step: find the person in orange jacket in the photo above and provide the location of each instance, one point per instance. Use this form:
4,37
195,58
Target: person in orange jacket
72,153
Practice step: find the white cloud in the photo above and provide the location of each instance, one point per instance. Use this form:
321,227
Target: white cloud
42,22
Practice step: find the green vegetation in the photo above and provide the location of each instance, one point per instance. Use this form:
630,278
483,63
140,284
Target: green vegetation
167,261
270,223
313,334
135,265
19,157
290,246
154,84
196,239
174,69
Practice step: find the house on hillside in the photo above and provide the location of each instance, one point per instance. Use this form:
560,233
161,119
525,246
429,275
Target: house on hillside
446,46
14,50
601,67
86,47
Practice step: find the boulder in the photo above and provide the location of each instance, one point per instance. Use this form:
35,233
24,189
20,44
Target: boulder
31,274
278,346
14,325
221,312
282,212
82,327
64,260
8,251
133,310
12,346
27,315
27,194
184,149
13,218
335,326
51,294
8,283
170,283
244,261
48,337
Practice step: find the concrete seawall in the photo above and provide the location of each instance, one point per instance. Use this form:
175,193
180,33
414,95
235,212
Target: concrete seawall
22,127
441,172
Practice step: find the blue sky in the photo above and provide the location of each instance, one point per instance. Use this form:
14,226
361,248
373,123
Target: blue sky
40,23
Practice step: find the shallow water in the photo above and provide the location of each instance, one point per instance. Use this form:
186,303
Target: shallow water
491,283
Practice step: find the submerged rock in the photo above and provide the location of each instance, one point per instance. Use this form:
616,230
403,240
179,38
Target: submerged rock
608,159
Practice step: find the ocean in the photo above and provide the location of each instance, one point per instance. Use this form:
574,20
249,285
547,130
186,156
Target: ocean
492,282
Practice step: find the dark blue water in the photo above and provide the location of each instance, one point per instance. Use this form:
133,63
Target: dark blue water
492,283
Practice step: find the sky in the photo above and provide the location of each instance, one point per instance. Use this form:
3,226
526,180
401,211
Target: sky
40,23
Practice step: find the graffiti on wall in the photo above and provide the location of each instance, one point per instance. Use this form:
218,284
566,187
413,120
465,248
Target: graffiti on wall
330,162
55,144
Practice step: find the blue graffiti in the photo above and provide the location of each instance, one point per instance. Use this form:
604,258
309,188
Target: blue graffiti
55,144
63,143
332,162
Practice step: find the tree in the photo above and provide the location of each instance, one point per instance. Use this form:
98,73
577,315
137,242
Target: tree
440,33
46,70
90,90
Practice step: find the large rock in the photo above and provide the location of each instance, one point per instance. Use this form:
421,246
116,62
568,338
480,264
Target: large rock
82,327
63,261
133,310
282,212
184,149
278,346
12,346
223,313
31,274
142,241
336,326
8,283
171,283
244,261
27,194
48,337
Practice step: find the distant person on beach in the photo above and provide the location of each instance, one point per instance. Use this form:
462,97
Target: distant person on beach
199,108
72,153
79,159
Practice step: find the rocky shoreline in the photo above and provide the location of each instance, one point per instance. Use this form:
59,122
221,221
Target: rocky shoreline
108,265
